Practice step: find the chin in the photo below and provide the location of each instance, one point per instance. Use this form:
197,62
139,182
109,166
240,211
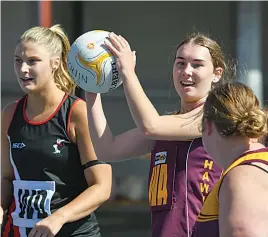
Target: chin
28,89
190,97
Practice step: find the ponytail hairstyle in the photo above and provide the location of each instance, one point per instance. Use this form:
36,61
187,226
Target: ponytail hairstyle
57,43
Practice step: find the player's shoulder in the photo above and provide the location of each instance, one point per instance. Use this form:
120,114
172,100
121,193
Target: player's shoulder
236,178
7,113
78,109
74,97
9,109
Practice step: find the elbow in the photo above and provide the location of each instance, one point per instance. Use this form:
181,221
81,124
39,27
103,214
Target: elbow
105,193
149,131
105,186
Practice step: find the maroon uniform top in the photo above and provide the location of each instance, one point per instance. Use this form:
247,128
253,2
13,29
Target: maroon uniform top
181,176
207,223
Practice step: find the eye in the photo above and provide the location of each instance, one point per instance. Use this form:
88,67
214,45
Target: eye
18,60
32,61
197,65
180,63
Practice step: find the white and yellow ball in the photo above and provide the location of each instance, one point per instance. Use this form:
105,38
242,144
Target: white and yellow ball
91,65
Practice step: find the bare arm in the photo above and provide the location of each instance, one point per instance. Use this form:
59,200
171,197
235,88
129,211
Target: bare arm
154,126
147,119
7,175
243,203
113,148
99,177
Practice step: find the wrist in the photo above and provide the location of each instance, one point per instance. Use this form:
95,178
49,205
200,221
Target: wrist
62,216
128,74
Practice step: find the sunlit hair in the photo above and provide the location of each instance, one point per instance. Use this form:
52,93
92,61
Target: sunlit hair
235,111
217,55
264,138
57,43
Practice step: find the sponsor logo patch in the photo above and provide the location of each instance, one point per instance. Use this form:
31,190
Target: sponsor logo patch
160,158
17,145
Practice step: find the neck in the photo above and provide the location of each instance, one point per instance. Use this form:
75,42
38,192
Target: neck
189,106
46,99
226,156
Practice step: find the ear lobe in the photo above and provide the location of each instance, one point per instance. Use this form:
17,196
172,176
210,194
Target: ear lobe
216,79
217,74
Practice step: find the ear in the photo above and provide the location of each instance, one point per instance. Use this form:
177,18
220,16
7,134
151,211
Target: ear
217,74
55,63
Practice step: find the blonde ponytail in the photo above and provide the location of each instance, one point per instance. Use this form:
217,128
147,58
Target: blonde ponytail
62,77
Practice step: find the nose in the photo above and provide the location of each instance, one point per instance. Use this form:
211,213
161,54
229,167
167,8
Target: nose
24,67
187,71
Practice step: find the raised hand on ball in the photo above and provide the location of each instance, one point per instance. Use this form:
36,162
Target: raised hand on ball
120,48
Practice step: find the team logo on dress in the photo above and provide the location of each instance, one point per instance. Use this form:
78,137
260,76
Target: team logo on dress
58,146
160,158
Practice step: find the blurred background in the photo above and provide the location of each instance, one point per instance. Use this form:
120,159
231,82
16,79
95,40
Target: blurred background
153,30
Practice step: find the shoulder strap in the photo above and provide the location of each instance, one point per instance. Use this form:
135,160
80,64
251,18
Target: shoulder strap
258,166
17,112
66,111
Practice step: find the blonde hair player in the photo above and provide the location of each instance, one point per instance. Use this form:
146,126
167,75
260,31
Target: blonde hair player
46,147
237,205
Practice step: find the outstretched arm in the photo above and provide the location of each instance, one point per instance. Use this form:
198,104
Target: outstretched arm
146,117
108,147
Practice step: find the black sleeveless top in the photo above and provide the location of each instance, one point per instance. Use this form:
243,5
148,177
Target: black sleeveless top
47,168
